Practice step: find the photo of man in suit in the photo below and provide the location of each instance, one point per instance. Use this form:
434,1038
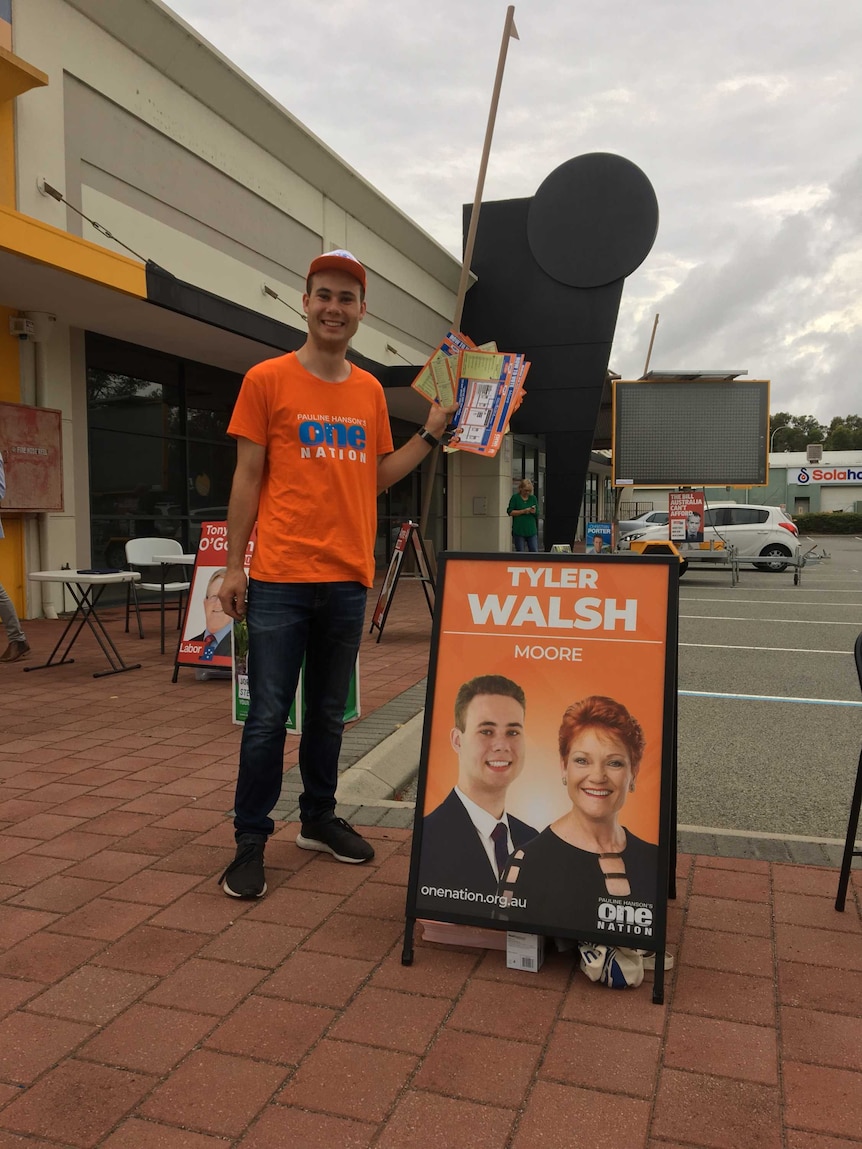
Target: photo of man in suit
216,633
468,837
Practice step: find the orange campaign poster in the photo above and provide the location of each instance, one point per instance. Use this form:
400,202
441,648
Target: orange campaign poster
546,770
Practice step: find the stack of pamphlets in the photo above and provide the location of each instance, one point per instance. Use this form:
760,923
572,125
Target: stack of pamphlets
487,385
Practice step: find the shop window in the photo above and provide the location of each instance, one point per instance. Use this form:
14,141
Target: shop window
161,462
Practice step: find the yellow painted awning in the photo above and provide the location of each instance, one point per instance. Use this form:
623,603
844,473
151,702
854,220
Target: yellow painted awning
40,242
17,76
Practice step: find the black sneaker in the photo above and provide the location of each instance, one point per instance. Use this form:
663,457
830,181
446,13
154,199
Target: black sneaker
337,837
244,877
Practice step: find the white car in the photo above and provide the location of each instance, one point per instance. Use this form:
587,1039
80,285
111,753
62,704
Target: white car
647,519
757,532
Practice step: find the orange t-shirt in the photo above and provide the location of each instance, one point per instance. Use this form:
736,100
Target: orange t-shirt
317,516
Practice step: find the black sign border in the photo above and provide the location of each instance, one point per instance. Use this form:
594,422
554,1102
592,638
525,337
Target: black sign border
665,878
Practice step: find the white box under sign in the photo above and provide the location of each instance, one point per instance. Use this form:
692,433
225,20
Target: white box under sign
525,951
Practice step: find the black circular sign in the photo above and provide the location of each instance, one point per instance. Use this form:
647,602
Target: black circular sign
593,220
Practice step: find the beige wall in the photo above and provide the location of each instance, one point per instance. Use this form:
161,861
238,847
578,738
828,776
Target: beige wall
111,122
210,197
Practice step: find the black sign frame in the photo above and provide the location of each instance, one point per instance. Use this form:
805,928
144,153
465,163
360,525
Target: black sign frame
665,852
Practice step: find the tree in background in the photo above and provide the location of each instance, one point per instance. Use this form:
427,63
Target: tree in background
844,434
794,432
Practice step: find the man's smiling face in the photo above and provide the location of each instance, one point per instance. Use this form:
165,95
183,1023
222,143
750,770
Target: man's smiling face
490,748
334,309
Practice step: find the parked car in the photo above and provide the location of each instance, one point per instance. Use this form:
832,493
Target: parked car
757,532
647,519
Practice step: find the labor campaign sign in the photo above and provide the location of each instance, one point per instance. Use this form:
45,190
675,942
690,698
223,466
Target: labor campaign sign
206,639
545,778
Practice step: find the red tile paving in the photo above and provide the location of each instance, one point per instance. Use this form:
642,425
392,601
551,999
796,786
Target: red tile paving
734,953
140,1009
722,1048
278,1031
46,957
369,1017
369,1080
602,1059
806,986
429,1121
523,1014
558,1116
137,1134
719,1113
81,1101
733,996
490,1070
103,918
148,1039
320,979
823,1100
279,1127
214,1093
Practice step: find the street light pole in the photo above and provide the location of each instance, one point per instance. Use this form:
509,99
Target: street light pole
774,433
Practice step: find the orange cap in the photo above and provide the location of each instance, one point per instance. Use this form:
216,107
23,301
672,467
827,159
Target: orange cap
338,260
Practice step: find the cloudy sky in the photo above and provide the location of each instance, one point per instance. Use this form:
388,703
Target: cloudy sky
744,115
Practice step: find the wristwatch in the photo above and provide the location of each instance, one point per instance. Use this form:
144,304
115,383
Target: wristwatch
423,433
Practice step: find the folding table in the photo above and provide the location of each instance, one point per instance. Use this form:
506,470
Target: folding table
86,588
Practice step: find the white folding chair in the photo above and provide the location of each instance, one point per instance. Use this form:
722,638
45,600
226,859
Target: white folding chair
140,557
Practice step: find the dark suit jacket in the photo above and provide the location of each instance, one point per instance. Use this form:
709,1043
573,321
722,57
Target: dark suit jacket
222,648
453,855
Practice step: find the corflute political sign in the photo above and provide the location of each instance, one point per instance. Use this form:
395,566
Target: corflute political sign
546,770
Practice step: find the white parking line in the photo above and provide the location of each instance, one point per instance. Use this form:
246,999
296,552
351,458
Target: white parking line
734,591
768,698
774,649
761,834
785,621
775,602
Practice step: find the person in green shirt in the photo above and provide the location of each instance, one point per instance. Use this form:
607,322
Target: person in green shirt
523,509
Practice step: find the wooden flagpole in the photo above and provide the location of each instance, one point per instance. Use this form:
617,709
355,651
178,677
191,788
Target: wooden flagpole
510,32
651,341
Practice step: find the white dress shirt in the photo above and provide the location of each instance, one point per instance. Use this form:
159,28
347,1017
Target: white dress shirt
485,823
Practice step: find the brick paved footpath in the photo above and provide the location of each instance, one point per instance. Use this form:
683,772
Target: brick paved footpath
141,1009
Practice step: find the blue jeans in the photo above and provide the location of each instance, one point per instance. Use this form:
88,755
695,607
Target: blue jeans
322,622
526,543
9,618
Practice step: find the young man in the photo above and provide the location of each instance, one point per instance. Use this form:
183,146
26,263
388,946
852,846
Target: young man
467,839
314,450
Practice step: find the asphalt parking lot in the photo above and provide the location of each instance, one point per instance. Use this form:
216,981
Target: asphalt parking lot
779,755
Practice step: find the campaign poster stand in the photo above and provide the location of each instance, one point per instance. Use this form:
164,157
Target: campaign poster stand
241,696
599,537
408,536
686,516
562,628
199,616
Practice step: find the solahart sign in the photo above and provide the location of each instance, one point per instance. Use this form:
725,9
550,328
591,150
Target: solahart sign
805,476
